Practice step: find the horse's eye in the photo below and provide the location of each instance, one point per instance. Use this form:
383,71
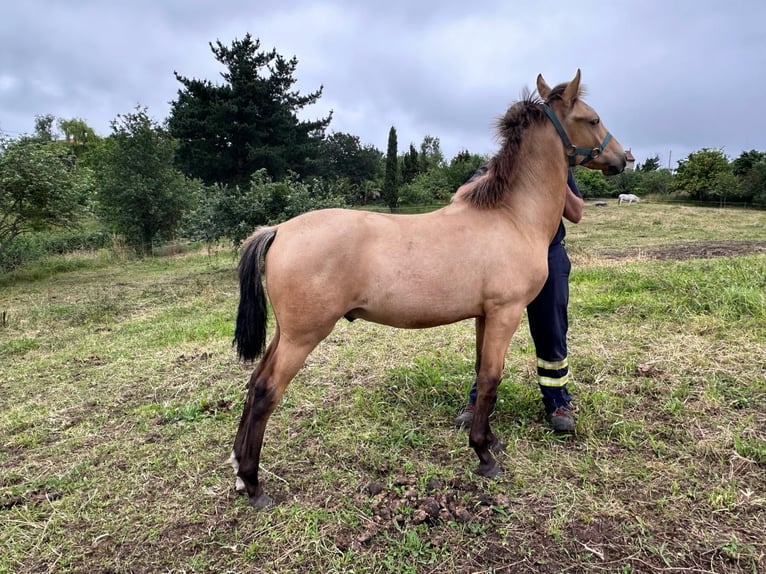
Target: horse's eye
594,122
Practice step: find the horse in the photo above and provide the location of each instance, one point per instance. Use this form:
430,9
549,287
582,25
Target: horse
628,198
483,256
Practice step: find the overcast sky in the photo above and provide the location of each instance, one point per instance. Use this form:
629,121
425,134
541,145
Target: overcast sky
667,77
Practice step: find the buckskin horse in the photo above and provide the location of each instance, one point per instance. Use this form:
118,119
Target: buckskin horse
482,256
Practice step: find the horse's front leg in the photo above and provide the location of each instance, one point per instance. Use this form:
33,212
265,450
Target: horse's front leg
481,438
497,333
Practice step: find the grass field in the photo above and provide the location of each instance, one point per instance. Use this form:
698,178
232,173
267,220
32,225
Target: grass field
120,395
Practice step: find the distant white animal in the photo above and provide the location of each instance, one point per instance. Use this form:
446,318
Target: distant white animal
627,197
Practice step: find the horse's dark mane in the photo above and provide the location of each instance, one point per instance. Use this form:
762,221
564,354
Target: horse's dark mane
488,192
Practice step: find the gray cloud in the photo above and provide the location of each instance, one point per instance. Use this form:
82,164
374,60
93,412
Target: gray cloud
665,76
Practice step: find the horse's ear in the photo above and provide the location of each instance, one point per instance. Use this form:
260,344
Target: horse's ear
542,88
572,90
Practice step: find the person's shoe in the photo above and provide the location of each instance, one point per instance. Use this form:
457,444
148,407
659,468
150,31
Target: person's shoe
464,419
561,420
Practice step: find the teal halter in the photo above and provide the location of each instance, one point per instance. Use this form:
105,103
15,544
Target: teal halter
573,151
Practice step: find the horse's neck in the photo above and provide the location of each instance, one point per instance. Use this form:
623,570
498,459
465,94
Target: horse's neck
537,199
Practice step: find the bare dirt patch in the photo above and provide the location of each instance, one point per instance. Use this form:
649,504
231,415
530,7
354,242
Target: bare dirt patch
691,250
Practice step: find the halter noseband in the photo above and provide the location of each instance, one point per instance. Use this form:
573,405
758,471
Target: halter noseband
573,151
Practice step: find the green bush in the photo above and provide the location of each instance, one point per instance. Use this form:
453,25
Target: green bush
233,212
20,250
31,246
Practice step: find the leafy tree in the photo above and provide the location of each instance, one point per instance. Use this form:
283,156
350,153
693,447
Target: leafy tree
651,164
140,193
431,155
343,156
625,182
250,122
85,144
591,183
753,184
79,136
461,168
657,182
39,188
45,130
724,187
745,162
391,178
695,174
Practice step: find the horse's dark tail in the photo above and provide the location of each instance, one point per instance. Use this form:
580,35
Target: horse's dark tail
252,314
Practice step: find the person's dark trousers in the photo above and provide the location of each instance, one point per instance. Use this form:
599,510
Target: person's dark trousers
548,324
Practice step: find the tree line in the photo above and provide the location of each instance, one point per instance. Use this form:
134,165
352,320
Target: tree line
235,154
706,176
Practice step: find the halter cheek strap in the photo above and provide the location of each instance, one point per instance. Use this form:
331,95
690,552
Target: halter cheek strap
572,150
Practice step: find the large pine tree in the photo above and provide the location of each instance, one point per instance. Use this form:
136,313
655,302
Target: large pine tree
228,131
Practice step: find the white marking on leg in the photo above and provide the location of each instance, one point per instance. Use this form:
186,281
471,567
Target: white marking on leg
239,485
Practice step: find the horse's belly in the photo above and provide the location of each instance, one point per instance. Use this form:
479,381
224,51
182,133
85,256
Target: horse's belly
408,318
412,308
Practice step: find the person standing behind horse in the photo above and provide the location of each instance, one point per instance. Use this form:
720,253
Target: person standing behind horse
548,324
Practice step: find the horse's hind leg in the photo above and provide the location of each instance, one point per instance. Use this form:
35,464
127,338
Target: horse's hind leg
266,387
245,418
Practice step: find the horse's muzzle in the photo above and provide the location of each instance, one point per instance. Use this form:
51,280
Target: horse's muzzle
613,169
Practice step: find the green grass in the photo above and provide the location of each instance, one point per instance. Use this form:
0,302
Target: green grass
121,396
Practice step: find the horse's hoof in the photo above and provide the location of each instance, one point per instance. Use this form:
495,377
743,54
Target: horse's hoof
261,502
490,471
239,485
